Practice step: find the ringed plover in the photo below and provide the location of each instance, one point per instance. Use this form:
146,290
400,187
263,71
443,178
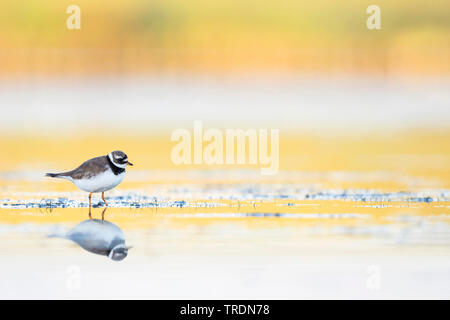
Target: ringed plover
98,174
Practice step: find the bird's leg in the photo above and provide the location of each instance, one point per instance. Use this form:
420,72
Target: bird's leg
90,195
103,198
103,213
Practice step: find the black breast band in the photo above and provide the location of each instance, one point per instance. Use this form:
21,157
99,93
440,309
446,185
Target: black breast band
114,168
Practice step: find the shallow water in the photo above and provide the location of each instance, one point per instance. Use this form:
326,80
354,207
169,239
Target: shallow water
240,239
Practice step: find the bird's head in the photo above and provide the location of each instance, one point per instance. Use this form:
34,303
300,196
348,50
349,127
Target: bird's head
119,159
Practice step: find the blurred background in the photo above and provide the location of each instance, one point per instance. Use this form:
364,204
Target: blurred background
137,70
141,69
233,37
364,119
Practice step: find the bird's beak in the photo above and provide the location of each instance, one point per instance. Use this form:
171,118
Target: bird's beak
129,247
129,163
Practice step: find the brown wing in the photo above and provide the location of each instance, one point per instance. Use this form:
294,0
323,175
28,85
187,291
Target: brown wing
89,168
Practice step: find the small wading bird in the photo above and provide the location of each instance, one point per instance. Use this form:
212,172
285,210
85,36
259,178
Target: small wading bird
97,174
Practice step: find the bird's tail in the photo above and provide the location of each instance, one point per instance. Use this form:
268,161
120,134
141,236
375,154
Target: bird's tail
64,175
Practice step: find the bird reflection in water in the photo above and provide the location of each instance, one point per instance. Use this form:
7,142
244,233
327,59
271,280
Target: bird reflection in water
99,237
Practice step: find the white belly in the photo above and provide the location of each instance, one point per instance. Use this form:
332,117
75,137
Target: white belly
100,183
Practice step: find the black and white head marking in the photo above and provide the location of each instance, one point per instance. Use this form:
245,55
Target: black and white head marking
119,159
